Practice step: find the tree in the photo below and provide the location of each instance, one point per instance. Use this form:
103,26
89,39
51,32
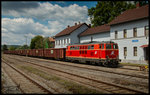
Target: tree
23,47
47,43
37,42
12,48
5,47
106,11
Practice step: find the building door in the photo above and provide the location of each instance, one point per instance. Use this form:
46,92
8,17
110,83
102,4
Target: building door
146,51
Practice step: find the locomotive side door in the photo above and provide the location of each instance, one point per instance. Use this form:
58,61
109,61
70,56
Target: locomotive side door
101,51
83,51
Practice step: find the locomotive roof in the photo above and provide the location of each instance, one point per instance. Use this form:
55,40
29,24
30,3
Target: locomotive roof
93,42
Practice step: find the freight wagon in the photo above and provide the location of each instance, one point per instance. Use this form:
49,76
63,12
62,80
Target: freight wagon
52,53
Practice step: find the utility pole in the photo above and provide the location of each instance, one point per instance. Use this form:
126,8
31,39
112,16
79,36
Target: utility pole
26,38
26,43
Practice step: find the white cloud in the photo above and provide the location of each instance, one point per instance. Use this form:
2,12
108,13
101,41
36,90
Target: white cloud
15,29
28,20
47,11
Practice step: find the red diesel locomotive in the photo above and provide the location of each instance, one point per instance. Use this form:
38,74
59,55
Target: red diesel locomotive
102,53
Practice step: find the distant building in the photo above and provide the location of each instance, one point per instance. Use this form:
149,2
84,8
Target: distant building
99,33
131,31
52,41
70,35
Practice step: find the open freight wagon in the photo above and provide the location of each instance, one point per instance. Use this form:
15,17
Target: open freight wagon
54,53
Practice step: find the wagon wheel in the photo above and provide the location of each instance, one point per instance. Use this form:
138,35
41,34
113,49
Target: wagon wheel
114,65
105,64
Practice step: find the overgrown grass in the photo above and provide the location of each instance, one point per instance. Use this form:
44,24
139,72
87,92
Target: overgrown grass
69,85
132,64
2,83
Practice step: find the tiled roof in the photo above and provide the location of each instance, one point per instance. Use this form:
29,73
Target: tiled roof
69,30
94,30
132,14
51,39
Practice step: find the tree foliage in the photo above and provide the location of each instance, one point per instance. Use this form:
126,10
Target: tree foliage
5,47
106,11
47,43
37,42
12,48
23,47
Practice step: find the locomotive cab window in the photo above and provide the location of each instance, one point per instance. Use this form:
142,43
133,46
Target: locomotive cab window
73,47
89,47
115,46
101,46
108,46
76,47
92,47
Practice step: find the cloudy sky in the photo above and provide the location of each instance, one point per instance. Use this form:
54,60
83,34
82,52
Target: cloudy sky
20,19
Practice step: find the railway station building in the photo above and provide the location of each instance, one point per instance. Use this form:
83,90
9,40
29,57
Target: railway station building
131,31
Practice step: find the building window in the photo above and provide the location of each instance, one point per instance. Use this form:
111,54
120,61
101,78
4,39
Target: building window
134,32
125,51
116,34
68,40
91,39
59,42
125,33
56,42
135,51
146,30
64,41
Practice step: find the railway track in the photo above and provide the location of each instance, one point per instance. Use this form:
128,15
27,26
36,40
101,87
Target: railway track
89,68
130,67
29,80
112,88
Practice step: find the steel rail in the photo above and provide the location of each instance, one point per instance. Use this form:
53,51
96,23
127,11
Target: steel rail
137,76
98,81
27,77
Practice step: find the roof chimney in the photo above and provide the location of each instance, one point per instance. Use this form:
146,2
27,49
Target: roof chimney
68,26
138,5
75,23
90,25
79,22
